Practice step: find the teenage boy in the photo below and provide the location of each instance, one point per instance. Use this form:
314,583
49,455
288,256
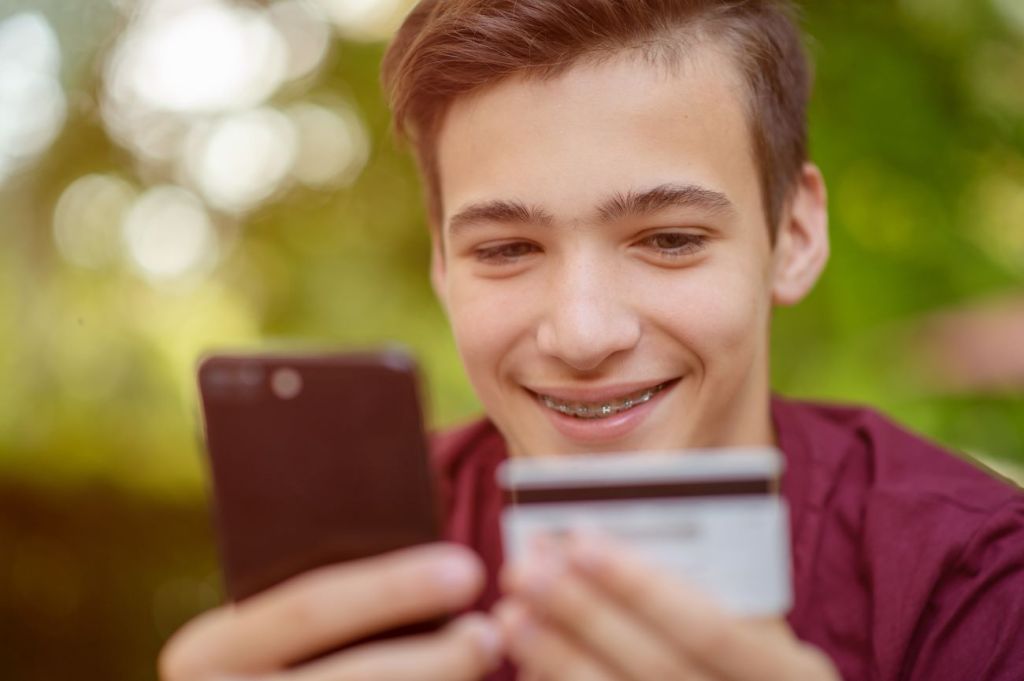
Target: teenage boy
619,193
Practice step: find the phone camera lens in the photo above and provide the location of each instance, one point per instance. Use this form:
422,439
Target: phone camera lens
250,376
218,378
286,383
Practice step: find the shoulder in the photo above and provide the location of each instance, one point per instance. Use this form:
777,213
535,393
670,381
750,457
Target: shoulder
888,459
973,622
935,541
905,495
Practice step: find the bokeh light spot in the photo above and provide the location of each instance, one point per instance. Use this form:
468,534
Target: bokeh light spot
1012,11
27,39
88,217
207,58
997,215
242,159
32,103
333,144
306,34
365,19
168,234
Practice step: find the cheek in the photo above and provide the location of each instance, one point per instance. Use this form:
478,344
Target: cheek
720,313
488,319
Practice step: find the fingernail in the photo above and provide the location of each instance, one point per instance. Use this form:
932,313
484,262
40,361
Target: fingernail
486,636
524,628
455,573
516,619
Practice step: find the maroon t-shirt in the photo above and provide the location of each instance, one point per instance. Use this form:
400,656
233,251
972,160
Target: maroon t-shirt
908,561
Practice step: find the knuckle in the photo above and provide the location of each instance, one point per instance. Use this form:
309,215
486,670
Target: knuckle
467,660
408,582
473,646
321,597
438,583
716,640
571,600
563,595
310,607
407,570
362,592
663,667
647,594
399,589
583,671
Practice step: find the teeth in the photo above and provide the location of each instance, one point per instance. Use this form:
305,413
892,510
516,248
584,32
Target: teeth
600,410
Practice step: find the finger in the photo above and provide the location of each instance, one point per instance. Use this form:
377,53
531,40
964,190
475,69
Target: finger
599,623
465,650
541,651
321,609
725,645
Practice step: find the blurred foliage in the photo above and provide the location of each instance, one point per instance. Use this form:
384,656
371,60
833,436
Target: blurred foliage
917,122
920,138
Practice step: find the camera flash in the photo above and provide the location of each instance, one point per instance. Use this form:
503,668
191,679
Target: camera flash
286,383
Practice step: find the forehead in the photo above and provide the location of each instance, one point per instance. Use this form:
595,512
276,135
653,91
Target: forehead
598,129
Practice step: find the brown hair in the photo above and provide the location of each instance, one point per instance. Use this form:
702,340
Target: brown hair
447,48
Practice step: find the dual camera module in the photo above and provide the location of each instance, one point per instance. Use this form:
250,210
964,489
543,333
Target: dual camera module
253,380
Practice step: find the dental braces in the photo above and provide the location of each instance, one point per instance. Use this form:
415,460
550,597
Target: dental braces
606,409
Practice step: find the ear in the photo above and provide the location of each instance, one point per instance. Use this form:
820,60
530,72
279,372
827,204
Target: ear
438,269
801,245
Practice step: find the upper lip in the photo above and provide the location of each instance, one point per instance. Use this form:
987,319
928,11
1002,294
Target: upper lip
595,393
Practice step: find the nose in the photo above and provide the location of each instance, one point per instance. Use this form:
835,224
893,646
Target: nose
588,318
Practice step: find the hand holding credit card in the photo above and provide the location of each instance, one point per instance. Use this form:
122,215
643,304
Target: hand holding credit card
714,518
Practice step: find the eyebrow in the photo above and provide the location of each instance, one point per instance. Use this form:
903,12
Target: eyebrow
618,206
646,202
499,211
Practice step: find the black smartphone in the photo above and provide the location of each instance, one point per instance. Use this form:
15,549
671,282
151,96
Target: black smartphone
314,459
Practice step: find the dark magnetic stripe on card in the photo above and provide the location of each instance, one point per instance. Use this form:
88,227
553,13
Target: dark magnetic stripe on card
666,490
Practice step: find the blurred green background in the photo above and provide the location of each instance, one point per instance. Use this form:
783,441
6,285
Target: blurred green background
181,175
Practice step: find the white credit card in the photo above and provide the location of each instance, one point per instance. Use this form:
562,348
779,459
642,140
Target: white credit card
712,517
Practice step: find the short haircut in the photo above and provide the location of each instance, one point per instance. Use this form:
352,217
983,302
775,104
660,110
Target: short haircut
449,48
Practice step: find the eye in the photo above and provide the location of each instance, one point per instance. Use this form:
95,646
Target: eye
504,253
675,244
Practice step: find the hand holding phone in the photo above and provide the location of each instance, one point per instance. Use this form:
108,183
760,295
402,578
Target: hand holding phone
270,632
320,475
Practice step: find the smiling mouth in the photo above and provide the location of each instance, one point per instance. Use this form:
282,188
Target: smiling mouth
605,409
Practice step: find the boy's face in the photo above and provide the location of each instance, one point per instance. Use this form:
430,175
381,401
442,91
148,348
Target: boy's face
605,261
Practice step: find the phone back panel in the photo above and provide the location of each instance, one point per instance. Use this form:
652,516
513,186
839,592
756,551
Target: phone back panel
314,460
